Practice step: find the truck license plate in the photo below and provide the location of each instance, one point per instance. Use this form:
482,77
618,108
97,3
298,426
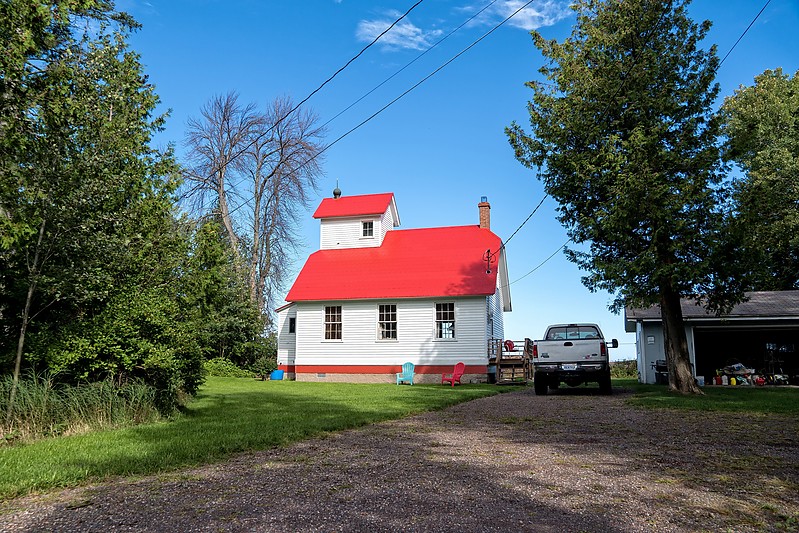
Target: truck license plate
569,367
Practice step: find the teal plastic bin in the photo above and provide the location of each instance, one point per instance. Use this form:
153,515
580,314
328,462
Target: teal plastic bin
276,375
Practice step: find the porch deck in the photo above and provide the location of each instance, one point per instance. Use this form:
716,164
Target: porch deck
511,361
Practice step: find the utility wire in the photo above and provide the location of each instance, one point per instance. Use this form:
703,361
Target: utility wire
744,33
414,60
542,263
436,71
502,246
365,48
607,108
395,100
601,118
328,80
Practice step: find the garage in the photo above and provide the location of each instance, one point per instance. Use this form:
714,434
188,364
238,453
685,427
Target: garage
768,350
761,333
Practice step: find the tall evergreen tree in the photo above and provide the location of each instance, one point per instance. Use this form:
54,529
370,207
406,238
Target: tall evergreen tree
624,138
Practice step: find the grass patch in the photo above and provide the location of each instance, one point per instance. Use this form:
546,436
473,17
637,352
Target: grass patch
741,399
228,415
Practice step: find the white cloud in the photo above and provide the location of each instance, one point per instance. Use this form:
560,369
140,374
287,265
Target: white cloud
403,35
538,14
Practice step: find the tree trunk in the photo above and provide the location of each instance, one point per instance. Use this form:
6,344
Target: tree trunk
681,377
24,327
224,213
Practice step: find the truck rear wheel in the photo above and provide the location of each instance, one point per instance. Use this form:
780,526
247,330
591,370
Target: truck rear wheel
540,385
605,386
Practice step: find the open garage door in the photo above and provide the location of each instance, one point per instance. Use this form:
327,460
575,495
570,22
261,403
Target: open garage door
769,350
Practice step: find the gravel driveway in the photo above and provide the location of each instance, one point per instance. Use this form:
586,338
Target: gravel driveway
569,461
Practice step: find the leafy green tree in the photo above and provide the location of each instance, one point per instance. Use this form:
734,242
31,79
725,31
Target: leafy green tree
624,137
227,323
90,246
761,124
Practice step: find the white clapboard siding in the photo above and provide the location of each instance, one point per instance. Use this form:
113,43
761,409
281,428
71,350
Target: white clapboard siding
286,342
347,232
387,223
415,342
337,233
495,327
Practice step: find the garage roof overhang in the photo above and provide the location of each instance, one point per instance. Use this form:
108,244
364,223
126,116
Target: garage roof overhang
761,309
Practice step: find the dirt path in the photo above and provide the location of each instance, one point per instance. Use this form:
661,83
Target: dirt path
572,461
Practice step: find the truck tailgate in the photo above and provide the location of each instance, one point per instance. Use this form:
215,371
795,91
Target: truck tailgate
567,351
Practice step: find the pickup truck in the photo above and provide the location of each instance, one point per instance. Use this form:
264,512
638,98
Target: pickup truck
573,354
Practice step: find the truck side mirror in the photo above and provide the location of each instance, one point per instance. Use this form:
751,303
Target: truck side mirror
614,343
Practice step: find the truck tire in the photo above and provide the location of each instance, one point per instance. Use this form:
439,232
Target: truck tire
605,386
540,385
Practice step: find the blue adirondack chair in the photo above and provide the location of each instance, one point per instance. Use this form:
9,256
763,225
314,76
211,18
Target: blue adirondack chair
406,374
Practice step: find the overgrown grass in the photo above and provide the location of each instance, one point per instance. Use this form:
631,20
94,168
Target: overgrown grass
228,415
624,369
743,399
43,409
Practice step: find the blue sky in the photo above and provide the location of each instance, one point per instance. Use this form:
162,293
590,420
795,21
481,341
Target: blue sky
442,146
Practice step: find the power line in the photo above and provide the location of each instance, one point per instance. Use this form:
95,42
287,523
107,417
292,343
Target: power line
502,246
414,60
602,116
528,218
328,80
542,263
436,71
365,48
744,33
395,100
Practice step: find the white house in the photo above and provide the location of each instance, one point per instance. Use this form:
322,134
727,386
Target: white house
374,297
760,333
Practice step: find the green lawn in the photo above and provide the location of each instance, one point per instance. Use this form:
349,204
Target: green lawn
228,415
743,399
232,415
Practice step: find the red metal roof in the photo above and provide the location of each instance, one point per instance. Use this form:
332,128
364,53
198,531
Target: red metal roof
353,206
415,263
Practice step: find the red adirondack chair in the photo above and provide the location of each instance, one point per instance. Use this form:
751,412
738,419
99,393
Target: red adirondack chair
457,372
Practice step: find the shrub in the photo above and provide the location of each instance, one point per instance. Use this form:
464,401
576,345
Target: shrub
624,369
134,338
263,366
224,368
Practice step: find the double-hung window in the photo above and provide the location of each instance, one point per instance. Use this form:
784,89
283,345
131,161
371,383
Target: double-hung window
368,229
333,322
445,320
387,322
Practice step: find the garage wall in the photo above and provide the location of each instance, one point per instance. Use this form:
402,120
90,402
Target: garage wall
651,348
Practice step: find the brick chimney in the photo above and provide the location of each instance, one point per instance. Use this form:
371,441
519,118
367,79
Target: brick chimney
485,213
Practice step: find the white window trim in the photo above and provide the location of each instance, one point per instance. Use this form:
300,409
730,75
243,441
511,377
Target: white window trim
374,229
324,323
377,323
454,338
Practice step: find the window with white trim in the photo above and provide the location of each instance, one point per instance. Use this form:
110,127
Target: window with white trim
333,322
292,324
368,229
387,322
445,320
